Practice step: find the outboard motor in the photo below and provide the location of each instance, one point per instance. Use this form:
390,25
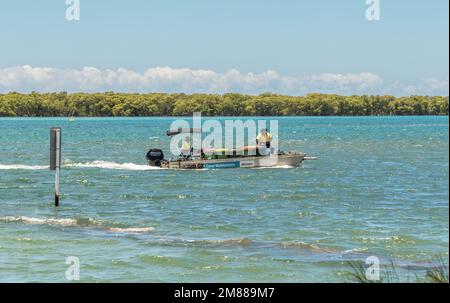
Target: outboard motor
155,157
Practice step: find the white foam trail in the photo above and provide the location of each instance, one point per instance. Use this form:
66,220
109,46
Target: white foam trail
23,167
105,165
93,164
277,166
111,165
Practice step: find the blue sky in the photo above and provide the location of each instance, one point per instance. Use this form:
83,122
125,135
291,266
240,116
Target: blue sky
215,46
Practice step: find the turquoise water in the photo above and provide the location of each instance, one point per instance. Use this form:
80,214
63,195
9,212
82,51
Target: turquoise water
379,187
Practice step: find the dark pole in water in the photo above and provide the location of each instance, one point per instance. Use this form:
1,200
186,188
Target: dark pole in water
55,157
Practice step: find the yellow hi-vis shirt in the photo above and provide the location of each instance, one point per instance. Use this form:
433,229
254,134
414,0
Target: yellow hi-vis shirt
264,138
186,147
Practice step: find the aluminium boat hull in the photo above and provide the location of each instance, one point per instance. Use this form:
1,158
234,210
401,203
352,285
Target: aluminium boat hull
288,159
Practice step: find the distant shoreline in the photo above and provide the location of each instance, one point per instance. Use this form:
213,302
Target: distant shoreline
112,104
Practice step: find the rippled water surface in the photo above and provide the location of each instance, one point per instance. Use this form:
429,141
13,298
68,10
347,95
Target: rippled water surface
379,187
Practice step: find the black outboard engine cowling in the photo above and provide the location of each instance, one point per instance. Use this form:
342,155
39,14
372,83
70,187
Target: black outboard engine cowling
155,157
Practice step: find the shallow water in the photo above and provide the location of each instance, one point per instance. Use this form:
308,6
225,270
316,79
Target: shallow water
379,187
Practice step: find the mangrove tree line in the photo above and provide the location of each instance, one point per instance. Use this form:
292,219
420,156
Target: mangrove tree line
160,104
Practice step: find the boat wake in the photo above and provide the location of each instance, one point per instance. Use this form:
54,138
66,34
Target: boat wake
275,167
94,164
21,167
105,165
110,165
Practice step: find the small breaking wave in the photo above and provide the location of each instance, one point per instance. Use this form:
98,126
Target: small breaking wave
21,167
319,249
391,239
169,240
308,246
75,222
231,242
131,230
355,250
50,221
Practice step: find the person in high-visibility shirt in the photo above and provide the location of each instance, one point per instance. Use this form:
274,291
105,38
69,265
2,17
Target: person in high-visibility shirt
186,148
264,138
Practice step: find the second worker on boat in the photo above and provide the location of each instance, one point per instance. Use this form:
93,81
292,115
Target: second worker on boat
263,141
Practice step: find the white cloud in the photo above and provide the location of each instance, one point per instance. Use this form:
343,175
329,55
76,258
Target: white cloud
165,79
